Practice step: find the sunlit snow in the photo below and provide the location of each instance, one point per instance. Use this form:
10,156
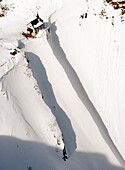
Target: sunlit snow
62,91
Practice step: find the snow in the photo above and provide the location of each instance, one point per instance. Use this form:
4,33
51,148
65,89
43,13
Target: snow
64,88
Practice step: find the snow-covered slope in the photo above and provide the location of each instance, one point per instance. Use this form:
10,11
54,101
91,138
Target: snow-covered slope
62,93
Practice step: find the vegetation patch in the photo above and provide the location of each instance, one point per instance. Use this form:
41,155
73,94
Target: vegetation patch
117,5
14,52
4,8
27,35
112,14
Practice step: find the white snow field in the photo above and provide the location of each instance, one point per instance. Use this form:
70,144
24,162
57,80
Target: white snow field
62,94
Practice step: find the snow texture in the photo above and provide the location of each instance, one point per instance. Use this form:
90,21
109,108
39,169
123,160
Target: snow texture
62,95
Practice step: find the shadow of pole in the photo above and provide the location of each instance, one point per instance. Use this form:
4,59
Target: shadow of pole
48,96
80,91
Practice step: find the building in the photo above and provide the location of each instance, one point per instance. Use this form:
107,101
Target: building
34,26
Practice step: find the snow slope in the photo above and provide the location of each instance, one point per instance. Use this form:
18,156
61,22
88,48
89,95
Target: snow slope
64,90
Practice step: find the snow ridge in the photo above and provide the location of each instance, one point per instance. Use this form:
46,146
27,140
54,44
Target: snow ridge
80,91
50,100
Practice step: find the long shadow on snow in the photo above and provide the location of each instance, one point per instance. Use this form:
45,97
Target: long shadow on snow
45,87
28,155
79,89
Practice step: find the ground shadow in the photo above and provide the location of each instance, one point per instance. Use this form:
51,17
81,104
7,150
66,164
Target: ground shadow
48,96
21,44
16,154
79,89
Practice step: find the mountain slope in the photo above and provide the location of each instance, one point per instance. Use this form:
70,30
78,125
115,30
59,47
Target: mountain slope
60,92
